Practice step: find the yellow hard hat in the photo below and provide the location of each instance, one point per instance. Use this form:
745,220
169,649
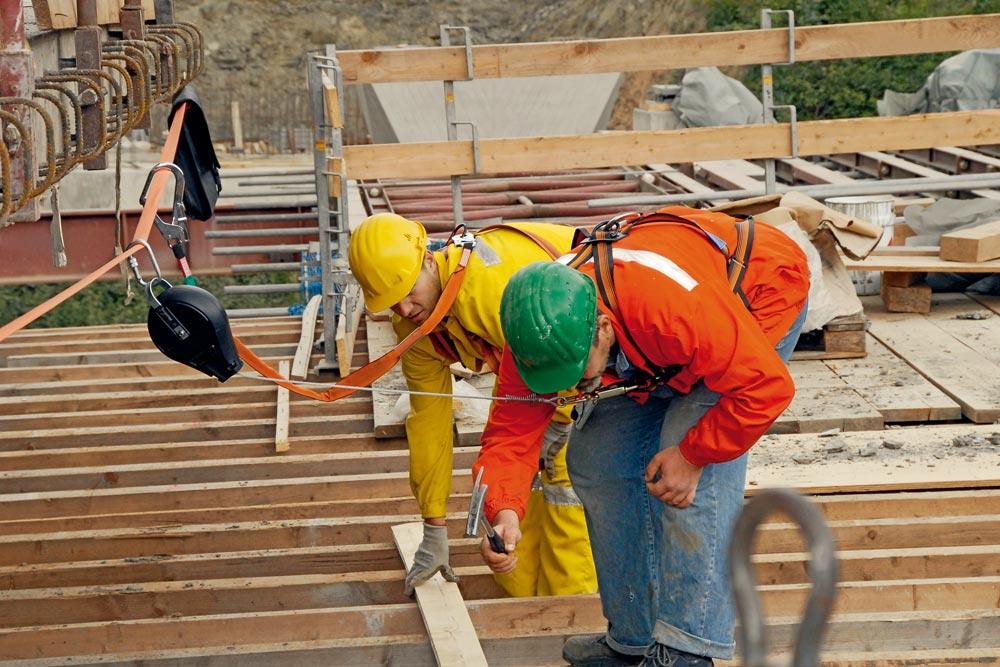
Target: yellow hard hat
386,252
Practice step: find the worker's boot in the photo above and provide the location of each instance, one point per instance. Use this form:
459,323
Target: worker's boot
658,655
593,651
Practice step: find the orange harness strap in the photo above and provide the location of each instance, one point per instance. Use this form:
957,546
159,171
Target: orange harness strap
372,371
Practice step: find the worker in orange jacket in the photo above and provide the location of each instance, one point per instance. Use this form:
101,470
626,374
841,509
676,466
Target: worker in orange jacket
388,255
700,311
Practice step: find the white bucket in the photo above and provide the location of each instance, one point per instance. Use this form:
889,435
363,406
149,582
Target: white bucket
879,210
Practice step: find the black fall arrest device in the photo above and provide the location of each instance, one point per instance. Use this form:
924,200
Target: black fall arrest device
189,325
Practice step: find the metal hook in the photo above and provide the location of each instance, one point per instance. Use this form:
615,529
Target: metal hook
822,572
175,231
133,263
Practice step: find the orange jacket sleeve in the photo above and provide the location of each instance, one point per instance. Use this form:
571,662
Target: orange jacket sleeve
511,443
720,342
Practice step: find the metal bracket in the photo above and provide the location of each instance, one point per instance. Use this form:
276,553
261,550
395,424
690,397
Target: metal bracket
767,94
476,164
794,127
469,71
765,23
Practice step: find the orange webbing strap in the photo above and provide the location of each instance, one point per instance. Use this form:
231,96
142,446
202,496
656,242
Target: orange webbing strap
149,210
367,374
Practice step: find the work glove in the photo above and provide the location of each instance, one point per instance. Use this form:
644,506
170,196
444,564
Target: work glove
431,557
553,440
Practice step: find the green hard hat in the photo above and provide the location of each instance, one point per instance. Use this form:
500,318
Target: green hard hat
548,314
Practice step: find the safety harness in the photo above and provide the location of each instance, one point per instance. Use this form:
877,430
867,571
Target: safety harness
597,246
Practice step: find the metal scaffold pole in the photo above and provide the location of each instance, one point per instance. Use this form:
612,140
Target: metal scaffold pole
324,96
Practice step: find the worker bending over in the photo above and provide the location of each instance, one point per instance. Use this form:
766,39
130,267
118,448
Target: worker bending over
388,256
700,310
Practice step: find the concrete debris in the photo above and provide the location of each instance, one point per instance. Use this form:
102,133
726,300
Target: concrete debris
868,450
829,432
975,315
890,443
970,440
995,439
805,458
834,445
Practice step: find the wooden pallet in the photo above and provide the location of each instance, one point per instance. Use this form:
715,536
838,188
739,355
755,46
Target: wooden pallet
841,338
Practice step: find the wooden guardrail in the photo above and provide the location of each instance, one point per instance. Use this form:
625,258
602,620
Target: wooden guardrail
636,54
883,38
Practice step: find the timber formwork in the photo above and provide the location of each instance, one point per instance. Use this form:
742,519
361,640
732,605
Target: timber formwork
146,518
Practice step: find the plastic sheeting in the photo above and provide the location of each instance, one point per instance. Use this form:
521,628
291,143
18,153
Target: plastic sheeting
709,98
966,82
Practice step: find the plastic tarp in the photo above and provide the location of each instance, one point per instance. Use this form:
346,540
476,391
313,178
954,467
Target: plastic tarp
709,98
966,82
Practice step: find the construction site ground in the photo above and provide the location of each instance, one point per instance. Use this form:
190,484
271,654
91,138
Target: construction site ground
146,516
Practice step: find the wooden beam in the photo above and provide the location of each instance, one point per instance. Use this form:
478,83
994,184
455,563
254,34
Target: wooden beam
282,417
303,351
532,154
494,619
381,339
264,594
637,54
347,328
919,263
449,627
976,244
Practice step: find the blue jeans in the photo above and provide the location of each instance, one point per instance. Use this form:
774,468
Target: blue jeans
661,571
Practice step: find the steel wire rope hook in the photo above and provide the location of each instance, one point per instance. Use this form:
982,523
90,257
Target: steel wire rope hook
822,573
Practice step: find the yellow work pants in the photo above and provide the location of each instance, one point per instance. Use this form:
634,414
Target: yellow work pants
553,556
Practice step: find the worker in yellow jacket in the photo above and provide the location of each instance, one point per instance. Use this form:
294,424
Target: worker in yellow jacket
388,256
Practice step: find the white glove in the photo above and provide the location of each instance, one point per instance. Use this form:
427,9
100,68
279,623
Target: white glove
431,557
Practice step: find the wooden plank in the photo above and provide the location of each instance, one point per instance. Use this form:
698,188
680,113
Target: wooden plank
449,627
186,431
193,450
115,357
634,54
976,244
919,263
913,299
893,388
533,154
965,375
925,460
495,619
347,329
331,103
381,339
303,351
816,409
55,14
263,594
61,14
282,418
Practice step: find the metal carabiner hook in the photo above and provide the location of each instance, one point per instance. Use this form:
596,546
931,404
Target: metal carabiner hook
133,263
822,572
176,231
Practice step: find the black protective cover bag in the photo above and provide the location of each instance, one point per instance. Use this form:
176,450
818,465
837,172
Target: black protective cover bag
196,157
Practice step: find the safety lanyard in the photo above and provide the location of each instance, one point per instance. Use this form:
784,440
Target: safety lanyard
372,371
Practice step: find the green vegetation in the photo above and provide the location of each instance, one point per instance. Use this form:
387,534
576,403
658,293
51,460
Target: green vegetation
840,88
103,303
